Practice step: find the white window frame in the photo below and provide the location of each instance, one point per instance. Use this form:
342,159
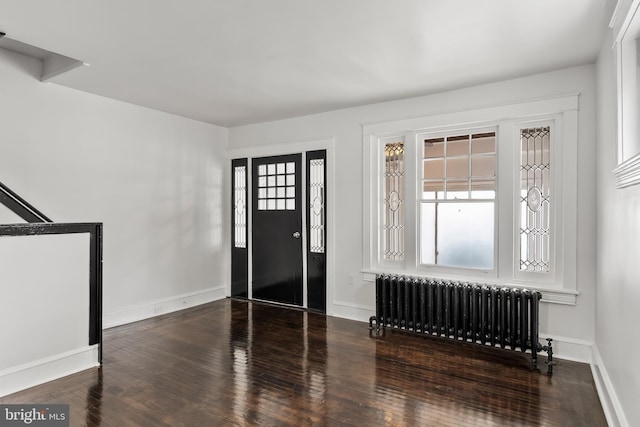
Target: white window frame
440,269
561,113
625,23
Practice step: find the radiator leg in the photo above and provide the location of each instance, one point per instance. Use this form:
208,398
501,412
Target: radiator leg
549,349
372,320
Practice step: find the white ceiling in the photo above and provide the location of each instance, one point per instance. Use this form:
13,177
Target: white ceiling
233,62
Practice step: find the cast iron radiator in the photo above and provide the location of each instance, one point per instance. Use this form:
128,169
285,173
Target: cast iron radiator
482,314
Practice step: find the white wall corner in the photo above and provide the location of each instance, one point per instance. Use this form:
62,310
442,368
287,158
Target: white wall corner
566,348
608,397
134,313
357,312
48,369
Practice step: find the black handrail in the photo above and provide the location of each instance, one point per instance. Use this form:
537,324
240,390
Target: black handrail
94,229
40,224
21,207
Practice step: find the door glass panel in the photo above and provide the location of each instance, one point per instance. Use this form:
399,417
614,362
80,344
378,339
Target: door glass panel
278,186
240,204
316,205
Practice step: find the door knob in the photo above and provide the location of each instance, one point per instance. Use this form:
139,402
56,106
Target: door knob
296,234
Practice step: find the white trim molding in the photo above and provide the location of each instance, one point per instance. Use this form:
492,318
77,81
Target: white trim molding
608,397
281,148
50,368
560,113
133,313
291,147
625,23
628,172
351,311
565,348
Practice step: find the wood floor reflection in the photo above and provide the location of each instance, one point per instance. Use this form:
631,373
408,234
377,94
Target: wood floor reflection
240,363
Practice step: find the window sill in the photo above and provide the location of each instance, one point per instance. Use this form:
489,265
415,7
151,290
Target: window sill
628,172
554,296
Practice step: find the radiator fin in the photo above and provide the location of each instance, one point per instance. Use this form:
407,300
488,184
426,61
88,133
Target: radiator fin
488,315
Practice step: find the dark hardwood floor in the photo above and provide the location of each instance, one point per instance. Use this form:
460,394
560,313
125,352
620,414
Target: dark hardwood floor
239,363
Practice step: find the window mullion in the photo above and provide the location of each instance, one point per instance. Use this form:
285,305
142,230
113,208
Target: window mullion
411,182
507,157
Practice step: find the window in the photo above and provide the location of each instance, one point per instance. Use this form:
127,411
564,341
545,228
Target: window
458,200
626,25
535,199
483,202
393,200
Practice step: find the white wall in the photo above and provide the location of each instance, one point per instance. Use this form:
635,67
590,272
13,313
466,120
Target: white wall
574,323
155,180
44,310
49,281
618,284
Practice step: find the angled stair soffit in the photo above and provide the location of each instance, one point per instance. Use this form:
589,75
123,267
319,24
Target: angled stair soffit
53,64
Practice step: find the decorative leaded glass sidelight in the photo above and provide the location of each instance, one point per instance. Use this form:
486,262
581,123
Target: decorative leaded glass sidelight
535,199
316,205
240,206
394,201
316,227
239,228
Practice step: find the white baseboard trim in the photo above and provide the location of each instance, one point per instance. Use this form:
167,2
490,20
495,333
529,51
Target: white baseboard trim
48,369
563,347
345,310
133,313
608,397
566,348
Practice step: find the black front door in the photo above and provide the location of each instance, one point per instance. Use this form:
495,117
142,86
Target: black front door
277,229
